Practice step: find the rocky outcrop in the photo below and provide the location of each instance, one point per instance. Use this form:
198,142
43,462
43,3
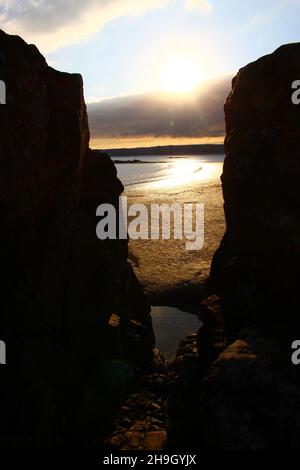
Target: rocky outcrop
248,396
257,264
249,399
66,368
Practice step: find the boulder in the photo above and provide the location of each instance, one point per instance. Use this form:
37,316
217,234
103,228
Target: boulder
249,399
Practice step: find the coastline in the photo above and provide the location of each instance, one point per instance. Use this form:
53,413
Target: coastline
168,150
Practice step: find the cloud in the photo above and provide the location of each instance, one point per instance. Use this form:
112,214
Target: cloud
4,6
156,114
55,23
259,21
271,14
201,5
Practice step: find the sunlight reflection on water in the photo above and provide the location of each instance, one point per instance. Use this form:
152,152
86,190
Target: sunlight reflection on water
159,172
187,171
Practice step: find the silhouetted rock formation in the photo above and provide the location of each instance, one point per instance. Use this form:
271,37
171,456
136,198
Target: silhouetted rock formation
59,282
249,392
257,264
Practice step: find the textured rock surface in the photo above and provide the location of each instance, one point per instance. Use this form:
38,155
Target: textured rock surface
249,397
59,281
258,261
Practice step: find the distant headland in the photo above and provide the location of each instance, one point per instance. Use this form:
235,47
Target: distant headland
176,150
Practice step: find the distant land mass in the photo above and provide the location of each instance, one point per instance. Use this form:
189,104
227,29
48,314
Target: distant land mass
170,150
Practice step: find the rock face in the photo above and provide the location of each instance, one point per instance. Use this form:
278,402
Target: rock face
58,281
257,264
249,397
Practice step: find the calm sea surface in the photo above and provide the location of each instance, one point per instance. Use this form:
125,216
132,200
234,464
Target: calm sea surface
164,170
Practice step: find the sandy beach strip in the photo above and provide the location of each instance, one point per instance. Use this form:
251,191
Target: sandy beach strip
169,273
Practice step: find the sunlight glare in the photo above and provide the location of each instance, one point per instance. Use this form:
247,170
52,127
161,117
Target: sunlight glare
183,172
183,168
181,75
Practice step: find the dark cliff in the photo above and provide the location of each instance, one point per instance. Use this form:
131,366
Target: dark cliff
58,281
257,264
246,390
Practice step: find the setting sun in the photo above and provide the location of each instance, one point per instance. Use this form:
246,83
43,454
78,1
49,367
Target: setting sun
181,75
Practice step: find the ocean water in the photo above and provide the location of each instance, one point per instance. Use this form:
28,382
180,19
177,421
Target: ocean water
168,170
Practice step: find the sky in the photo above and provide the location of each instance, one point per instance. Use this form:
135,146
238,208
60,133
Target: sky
127,47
